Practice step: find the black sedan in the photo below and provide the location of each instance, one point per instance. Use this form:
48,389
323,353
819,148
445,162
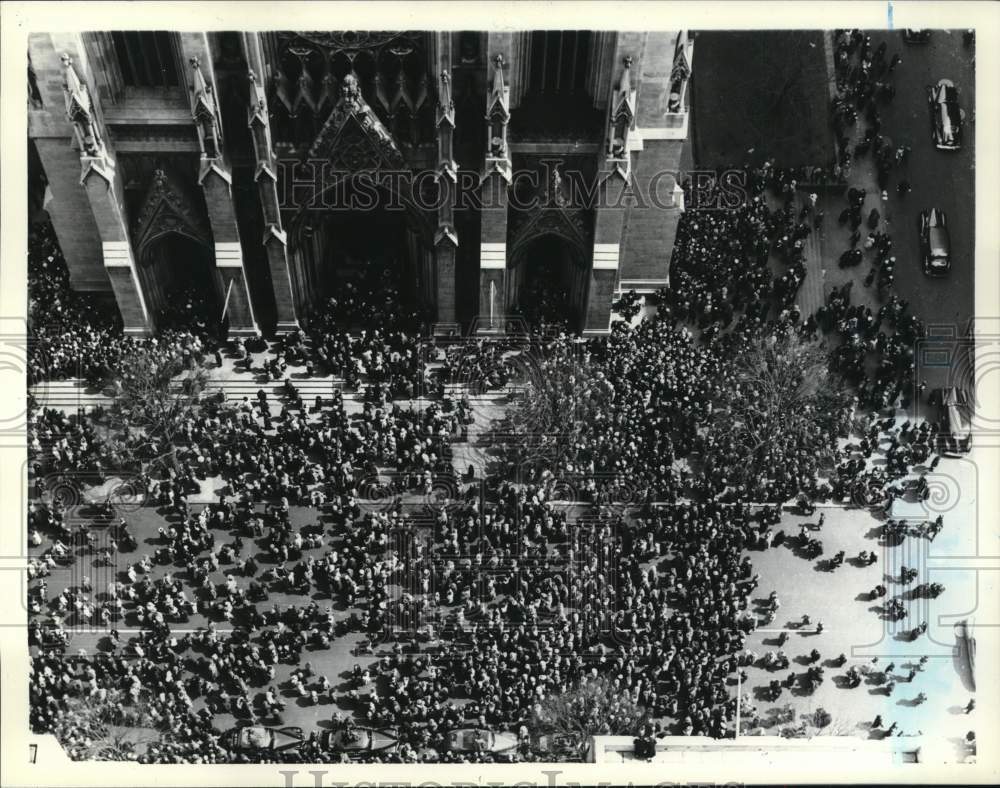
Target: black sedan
935,243
946,116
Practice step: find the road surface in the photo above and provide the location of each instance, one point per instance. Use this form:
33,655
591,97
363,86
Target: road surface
940,179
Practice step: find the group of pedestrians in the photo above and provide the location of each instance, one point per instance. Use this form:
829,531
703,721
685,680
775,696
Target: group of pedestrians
649,592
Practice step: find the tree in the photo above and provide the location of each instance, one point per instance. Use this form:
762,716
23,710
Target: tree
826,725
154,394
781,399
594,707
562,391
102,728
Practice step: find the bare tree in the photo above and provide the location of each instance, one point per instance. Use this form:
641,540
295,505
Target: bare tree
592,708
153,395
103,728
554,410
828,725
781,397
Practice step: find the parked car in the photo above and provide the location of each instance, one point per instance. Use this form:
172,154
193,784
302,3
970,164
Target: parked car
258,738
955,413
911,36
935,242
481,740
359,741
947,117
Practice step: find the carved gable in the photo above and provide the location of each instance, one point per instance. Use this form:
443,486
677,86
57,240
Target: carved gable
568,223
168,209
353,138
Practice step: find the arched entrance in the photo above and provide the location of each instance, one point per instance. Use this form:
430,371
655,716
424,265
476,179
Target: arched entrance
174,249
548,283
365,221
369,237
179,279
358,241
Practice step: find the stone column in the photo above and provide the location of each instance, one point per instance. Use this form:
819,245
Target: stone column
275,240
216,183
103,186
53,135
444,259
616,169
609,218
276,247
235,291
116,247
493,187
120,267
445,238
656,145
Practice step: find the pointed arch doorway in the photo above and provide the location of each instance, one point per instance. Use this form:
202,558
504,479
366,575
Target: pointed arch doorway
178,276
368,237
548,282
174,249
365,222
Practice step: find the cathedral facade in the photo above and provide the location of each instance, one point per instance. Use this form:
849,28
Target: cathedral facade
265,169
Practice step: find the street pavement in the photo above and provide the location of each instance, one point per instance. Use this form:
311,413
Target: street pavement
939,179
852,625
335,663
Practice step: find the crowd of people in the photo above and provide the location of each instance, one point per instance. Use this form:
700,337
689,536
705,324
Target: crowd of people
369,330
74,335
545,302
655,600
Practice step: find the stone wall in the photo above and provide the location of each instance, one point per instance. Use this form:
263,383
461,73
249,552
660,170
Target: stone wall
71,215
650,227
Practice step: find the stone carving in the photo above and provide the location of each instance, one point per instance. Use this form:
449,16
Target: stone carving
446,125
556,193
304,97
350,94
679,74
205,112
681,69
353,138
168,209
549,222
446,104
622,113
498,111
258,102
552,219
347,40
391,64
283,90
80,111
327,94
